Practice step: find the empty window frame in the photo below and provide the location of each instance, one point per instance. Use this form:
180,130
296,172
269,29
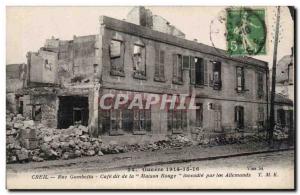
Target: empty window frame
36,112
240,79
139,61
116,53
47,64
217,77
177,69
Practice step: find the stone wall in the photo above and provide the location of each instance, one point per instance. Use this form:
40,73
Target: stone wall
49,107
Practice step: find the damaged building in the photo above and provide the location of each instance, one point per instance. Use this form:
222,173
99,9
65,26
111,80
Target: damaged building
65,79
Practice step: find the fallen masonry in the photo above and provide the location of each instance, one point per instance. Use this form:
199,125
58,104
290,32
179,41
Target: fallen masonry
30,141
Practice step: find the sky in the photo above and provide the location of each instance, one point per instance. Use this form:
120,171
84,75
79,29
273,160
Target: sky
27,28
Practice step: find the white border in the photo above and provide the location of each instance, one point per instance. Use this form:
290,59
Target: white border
5,3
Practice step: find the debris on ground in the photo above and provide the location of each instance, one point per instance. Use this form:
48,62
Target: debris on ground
31,141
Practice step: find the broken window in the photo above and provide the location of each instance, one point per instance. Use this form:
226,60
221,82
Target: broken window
139,65
260,84
177,69
116,52
239,116
199,115
159,74
177,121
47,65
240,79
36,112
217,80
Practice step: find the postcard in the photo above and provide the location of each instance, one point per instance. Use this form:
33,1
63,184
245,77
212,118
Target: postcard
150,97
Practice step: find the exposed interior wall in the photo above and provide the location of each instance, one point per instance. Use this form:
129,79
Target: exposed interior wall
43,67
45,106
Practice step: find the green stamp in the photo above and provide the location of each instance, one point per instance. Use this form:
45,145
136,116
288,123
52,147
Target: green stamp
246,31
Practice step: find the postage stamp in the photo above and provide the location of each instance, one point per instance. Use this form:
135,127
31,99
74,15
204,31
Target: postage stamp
246,31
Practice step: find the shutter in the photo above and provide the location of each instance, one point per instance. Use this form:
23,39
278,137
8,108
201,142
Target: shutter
157,62
201,64
175,67
205,72
260,91
192,71
243,78
235,113
237,76
122,54
186,62
242,115
162,64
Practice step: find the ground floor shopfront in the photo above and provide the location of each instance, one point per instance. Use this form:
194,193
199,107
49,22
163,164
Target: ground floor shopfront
62,109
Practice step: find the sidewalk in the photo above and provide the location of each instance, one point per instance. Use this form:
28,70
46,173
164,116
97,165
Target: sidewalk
141,159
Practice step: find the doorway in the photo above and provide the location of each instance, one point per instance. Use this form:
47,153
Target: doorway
239,117
73,110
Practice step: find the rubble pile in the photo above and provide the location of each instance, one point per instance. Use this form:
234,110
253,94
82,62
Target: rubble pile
27,141
66,143
172,141
19,136
280,133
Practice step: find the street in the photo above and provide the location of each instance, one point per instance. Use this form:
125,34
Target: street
275,159
262,170
164,158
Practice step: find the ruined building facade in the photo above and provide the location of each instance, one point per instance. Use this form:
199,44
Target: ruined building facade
66,79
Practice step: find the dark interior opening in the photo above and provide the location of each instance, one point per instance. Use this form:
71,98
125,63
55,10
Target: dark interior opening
73,110
20,108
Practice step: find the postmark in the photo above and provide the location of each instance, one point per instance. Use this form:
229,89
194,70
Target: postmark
246,31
